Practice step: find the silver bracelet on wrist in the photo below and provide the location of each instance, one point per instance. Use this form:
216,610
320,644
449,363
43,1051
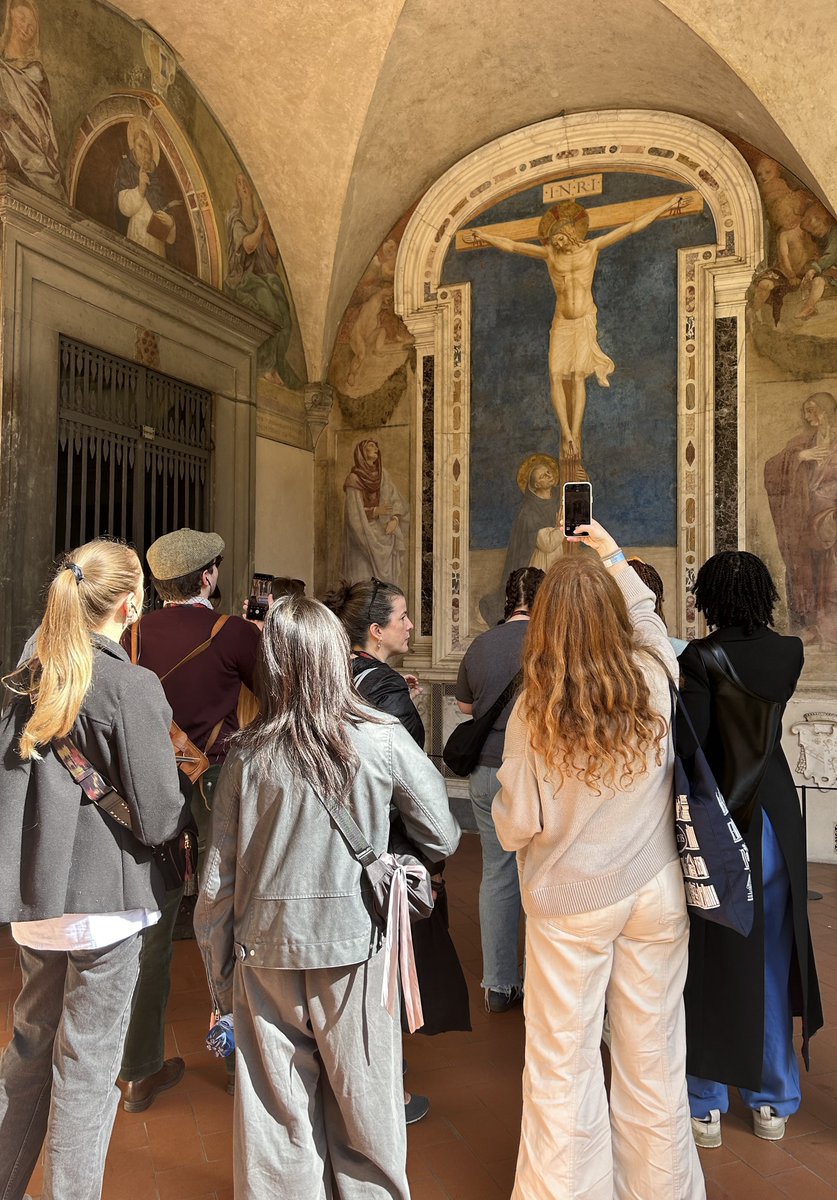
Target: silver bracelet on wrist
616,556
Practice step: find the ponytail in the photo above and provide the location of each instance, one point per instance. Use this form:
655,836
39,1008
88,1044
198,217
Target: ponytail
83,593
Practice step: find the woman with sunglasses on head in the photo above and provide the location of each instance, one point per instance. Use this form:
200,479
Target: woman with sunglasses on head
586,801
78,884
374,615
286,926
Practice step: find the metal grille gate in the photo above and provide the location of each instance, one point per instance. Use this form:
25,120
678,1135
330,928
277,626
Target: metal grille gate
133,451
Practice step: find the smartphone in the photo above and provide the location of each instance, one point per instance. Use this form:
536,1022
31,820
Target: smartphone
578,506
259,591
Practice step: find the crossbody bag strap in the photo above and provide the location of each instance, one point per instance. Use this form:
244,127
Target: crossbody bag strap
722,659
677,701
351,831
216,629
92,782
504,697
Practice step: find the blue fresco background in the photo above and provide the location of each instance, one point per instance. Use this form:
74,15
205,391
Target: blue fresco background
630,428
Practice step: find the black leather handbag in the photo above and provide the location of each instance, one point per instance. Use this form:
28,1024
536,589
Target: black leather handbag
464,746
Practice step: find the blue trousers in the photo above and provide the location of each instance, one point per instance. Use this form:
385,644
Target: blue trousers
780,1087
499,890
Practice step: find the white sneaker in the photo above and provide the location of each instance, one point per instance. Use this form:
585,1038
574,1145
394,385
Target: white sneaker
767,1125
707,1130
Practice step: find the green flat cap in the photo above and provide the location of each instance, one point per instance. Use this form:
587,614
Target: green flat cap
185,550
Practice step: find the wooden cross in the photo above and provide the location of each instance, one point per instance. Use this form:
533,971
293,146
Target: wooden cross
683,204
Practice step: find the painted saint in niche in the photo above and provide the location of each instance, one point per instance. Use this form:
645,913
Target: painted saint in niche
142,201
376,520
537,479
801,484
28,145
574,351
252,279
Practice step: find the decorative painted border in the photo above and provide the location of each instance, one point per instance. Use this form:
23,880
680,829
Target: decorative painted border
689,153
174,143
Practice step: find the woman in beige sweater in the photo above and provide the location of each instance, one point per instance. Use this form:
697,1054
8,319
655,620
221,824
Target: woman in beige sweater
586,801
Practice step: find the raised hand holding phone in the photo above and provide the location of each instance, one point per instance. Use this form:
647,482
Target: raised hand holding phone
595,536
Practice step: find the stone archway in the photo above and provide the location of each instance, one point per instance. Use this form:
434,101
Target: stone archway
712,282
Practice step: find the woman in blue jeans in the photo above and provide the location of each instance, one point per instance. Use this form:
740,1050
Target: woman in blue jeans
490,664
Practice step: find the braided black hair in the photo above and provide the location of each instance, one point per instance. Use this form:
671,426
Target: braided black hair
650,576
735,588
521,588
359,605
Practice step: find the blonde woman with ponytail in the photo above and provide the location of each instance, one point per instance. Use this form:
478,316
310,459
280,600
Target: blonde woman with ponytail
586,800
78,886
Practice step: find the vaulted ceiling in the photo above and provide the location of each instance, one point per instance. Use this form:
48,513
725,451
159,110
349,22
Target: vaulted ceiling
345,111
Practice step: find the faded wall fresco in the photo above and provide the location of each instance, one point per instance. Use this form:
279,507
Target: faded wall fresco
792,409
787,429
372,373
628,353
94,111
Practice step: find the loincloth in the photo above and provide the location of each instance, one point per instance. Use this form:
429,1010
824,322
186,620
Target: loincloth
574,350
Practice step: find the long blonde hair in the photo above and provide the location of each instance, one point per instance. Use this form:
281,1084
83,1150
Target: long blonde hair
586,700
57,676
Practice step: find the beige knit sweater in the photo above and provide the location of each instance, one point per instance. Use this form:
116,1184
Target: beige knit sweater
577,851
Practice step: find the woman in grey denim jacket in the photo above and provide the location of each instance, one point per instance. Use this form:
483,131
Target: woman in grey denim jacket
286,925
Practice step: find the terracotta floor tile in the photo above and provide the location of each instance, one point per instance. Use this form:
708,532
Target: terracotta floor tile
802,1184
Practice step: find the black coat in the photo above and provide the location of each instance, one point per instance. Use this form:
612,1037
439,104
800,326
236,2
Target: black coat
725,985
444,992
59,852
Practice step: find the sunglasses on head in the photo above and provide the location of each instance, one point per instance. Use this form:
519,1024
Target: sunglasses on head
377,584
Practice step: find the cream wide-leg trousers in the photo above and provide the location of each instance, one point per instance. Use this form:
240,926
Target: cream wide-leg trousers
633,956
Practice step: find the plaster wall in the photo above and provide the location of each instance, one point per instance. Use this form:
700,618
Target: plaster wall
284,543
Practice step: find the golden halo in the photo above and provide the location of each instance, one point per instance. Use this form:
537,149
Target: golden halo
140,125
567,212
536,460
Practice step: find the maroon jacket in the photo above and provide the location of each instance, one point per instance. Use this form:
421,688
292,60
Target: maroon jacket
204,690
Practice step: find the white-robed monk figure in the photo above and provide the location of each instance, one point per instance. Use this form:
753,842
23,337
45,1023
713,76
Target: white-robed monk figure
574,351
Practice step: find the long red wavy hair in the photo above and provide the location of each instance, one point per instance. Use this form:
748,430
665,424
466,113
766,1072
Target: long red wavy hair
586,699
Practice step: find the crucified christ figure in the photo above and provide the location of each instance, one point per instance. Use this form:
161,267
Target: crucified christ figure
574,352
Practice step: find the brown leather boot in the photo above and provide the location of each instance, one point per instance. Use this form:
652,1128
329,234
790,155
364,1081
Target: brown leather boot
141,1093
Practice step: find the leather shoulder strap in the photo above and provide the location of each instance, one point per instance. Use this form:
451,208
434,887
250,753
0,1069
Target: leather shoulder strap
722,659
351,831
216,629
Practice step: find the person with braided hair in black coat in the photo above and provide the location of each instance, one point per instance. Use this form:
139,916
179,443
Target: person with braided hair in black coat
743,993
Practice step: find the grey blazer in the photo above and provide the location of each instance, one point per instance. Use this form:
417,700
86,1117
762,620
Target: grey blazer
281,887
59,852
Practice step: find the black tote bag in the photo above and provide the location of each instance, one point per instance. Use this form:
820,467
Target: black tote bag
713,855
